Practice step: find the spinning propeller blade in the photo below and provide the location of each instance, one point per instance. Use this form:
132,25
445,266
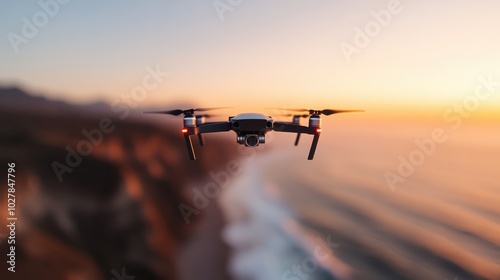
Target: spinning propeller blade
325,112
177,112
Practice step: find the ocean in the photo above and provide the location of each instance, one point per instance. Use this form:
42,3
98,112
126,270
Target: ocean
340,217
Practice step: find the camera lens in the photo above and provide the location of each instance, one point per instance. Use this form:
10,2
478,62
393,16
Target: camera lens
252,140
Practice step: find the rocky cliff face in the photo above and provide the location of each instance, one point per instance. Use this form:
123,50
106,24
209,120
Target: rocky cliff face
96,196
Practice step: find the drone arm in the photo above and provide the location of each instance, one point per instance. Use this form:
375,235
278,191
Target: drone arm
294,128
288,127
214,127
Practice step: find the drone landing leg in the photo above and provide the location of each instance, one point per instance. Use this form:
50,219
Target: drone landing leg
313,146
297,139
200,139
189,146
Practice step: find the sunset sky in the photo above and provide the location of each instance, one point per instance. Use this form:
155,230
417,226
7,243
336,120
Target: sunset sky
259,54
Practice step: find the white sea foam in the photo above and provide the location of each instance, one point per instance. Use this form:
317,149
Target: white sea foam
267,241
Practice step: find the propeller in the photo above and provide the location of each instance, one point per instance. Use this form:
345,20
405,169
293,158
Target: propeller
178,112
206,116
325,112
292,115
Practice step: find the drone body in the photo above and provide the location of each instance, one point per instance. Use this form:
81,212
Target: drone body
250,128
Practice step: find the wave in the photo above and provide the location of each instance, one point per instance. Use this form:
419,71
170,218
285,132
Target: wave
267,240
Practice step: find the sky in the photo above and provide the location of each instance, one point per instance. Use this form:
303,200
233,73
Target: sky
256,54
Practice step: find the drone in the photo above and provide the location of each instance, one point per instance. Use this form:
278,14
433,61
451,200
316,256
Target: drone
250,128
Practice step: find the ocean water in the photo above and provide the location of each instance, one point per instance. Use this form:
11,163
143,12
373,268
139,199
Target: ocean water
337,217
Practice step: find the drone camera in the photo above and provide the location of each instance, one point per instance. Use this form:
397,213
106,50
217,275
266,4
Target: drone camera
252,140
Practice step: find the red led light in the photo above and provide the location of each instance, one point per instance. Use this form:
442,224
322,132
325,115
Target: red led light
184,130
318,130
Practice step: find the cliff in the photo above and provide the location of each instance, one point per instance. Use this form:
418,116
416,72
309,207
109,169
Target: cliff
97,195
